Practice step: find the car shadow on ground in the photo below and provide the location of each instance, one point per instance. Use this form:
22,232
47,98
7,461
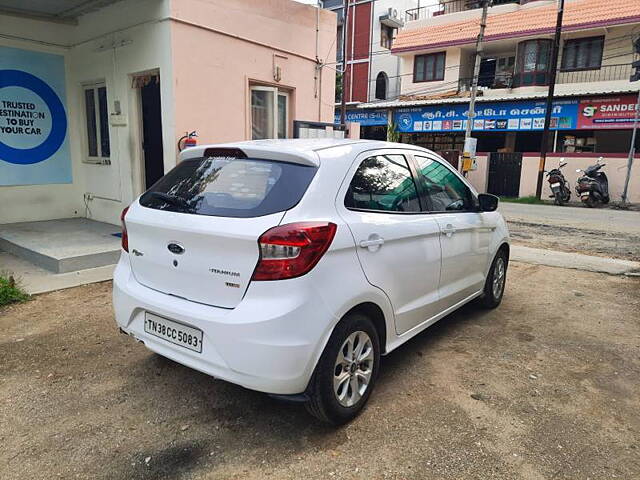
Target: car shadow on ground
224,417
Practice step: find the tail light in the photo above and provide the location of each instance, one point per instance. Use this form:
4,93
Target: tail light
125,237
292,250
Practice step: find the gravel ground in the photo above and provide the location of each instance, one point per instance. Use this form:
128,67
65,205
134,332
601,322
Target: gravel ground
532,390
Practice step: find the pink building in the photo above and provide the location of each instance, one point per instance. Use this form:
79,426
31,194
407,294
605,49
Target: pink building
95,96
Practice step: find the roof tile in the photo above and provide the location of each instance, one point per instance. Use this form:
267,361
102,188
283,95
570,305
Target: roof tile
531,20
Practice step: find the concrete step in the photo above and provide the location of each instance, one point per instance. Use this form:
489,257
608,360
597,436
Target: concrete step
63,245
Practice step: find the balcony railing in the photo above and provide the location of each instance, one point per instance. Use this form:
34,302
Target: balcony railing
607,73
449,6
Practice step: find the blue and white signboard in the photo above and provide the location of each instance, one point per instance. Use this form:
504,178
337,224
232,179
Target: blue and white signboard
34,148
365,118
490,116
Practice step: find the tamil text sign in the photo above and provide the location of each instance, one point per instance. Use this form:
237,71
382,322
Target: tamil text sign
490,116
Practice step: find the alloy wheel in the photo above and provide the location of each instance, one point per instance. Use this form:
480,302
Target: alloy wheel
498,277
353,368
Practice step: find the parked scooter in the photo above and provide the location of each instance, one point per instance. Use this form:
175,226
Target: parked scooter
560,189
593,185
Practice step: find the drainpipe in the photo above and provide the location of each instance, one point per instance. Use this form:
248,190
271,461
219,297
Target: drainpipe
370,66
345,26
353,50
317,76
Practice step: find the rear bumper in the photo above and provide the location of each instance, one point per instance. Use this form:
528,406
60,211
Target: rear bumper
270,342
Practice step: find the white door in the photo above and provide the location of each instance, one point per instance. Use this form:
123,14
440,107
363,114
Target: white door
465,233
398,244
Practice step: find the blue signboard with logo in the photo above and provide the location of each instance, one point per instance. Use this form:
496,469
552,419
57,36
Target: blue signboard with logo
365,118
34,148
490,116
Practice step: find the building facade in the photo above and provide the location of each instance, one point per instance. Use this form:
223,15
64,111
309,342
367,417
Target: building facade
94,98
594,102
372,72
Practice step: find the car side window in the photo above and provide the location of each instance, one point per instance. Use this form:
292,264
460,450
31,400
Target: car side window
445,191
383,183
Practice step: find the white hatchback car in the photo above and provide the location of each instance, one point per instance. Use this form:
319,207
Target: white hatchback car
290,266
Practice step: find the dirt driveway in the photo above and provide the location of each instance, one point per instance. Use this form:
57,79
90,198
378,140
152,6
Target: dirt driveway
545,387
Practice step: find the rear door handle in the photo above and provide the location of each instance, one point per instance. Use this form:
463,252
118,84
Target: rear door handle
449,230
373,241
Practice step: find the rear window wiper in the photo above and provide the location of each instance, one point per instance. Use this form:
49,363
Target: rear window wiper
172,199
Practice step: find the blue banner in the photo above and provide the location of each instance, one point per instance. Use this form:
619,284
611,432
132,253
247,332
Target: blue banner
365,118
34,148
490,116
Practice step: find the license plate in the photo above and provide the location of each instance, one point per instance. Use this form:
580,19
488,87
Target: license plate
553,185
173,332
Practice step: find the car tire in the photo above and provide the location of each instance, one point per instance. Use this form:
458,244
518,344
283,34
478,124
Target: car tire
495,282
327,383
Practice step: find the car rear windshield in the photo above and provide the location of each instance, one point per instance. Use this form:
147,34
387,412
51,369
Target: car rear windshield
230,186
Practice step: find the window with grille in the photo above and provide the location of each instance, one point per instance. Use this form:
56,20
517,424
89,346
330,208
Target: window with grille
269,112
532,63
429,68
582,53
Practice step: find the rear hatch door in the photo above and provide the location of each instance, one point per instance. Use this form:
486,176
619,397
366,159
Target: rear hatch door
204,259
194,234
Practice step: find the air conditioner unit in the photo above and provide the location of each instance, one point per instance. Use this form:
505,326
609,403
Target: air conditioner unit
391,18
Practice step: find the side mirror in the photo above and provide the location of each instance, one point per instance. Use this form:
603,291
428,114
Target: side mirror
563,164
488,202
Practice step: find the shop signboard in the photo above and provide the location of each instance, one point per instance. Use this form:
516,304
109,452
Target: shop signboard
366,118
490,116
607,113
34,148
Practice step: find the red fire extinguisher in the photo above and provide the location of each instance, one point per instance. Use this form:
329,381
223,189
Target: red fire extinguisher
187,140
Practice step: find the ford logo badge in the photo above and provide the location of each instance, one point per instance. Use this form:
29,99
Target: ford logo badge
176,248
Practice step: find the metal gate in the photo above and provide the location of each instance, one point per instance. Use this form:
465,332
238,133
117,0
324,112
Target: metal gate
304,129
504,173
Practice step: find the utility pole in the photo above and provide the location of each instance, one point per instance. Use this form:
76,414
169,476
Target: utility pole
632,151
632,148
474,81
553,68
345,27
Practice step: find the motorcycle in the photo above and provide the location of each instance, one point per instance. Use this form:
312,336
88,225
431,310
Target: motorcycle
593,185
560,189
